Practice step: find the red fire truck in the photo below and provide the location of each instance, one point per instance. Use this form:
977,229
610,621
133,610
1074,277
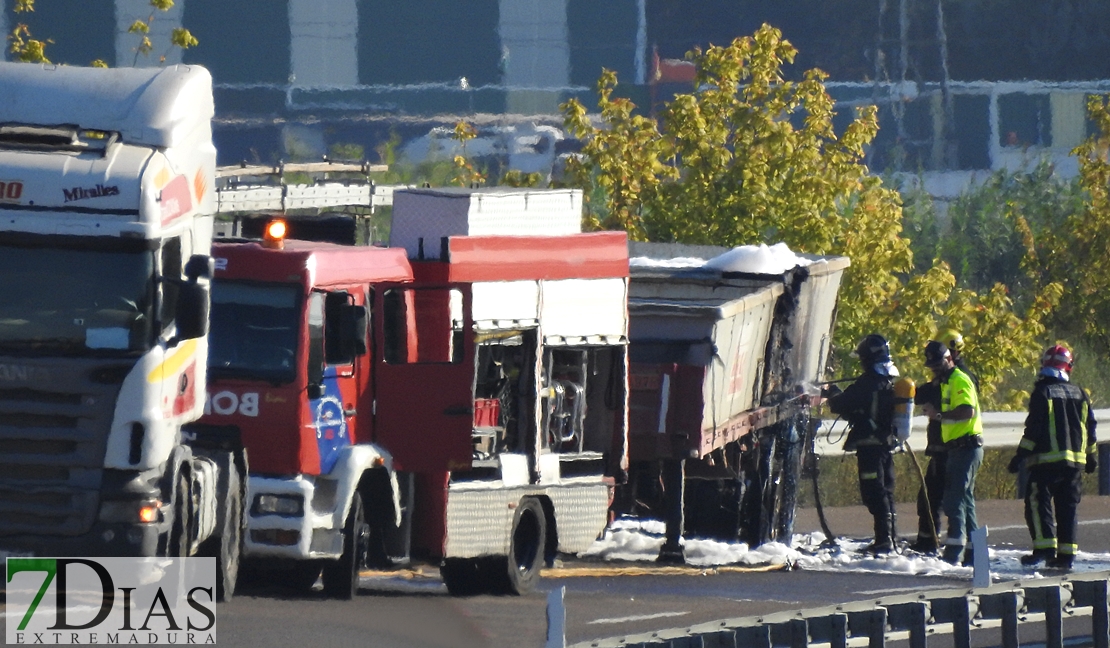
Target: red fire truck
459,397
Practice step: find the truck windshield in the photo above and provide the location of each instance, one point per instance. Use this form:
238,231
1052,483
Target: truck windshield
254,331
68,301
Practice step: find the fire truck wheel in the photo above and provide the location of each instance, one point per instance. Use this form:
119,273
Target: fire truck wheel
464,576
341,576
526,548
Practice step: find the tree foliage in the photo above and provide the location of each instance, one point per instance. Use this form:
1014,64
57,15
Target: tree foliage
26,49
748,157
1071,249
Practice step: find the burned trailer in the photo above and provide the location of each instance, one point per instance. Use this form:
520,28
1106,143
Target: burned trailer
722,372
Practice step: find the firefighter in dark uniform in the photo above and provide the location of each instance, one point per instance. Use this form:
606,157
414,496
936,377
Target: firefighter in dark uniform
930,495
1058,444
961,432
868,407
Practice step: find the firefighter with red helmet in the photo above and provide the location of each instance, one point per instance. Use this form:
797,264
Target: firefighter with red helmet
868,407
961,432
1058,444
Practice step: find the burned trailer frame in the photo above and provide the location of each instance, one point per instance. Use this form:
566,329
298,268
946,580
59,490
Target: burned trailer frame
720,363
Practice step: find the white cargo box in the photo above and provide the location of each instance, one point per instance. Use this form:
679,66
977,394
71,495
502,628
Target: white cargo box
422,217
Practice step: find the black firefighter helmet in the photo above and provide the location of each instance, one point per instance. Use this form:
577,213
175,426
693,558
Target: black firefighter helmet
873,349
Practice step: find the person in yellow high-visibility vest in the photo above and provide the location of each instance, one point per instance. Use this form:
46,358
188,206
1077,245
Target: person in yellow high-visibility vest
961,431
1058,445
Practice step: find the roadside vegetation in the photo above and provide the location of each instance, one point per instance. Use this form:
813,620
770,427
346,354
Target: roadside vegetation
749,157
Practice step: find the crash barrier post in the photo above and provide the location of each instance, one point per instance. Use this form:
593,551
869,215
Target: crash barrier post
910,618
556,618
1104,469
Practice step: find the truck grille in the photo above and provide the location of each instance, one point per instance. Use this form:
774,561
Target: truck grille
55,416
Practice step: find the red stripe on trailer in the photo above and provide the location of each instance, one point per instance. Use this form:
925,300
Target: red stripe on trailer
506,258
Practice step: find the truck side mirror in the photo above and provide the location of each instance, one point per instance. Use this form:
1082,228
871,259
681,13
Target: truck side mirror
315,368
192,311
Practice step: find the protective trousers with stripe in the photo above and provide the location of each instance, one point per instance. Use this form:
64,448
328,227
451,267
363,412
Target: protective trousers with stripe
876,487
1057,487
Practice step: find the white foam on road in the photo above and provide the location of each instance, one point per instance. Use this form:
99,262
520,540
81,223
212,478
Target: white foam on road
639,617
630,539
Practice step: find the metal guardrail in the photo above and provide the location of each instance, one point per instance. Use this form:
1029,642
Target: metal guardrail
912,618
1000,430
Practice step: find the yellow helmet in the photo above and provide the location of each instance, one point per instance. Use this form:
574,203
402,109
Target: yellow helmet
953,340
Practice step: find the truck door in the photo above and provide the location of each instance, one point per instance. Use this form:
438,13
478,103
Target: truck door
424,382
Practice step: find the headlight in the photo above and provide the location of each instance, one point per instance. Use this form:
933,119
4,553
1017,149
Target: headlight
269,504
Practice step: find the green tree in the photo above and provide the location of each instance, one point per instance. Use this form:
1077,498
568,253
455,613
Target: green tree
749,157
1072,250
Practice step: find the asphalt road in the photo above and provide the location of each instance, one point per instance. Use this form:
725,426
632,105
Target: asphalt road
413,609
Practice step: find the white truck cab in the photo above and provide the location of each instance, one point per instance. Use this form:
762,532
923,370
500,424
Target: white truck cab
107,182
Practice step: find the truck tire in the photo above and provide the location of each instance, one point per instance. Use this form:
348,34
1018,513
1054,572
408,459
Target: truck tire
226,547
526,548
180,536
341,576
465,576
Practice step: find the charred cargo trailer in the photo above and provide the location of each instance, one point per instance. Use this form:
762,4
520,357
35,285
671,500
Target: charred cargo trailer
722,369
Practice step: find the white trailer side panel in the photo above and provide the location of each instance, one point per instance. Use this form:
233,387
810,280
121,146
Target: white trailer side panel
500,304
422,217
583,308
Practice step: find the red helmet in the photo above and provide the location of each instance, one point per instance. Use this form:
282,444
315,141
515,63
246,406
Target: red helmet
1057,357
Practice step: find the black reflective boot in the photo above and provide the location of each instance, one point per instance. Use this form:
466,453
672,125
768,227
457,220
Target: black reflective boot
924,545
1061,561
884,540
952,553
1038,556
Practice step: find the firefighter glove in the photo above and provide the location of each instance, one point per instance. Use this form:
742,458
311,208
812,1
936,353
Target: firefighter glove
1092,464
1015,464
829,391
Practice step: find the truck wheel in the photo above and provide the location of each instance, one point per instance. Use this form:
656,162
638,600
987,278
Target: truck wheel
341,576
526,548
179,540
464,576
227,546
